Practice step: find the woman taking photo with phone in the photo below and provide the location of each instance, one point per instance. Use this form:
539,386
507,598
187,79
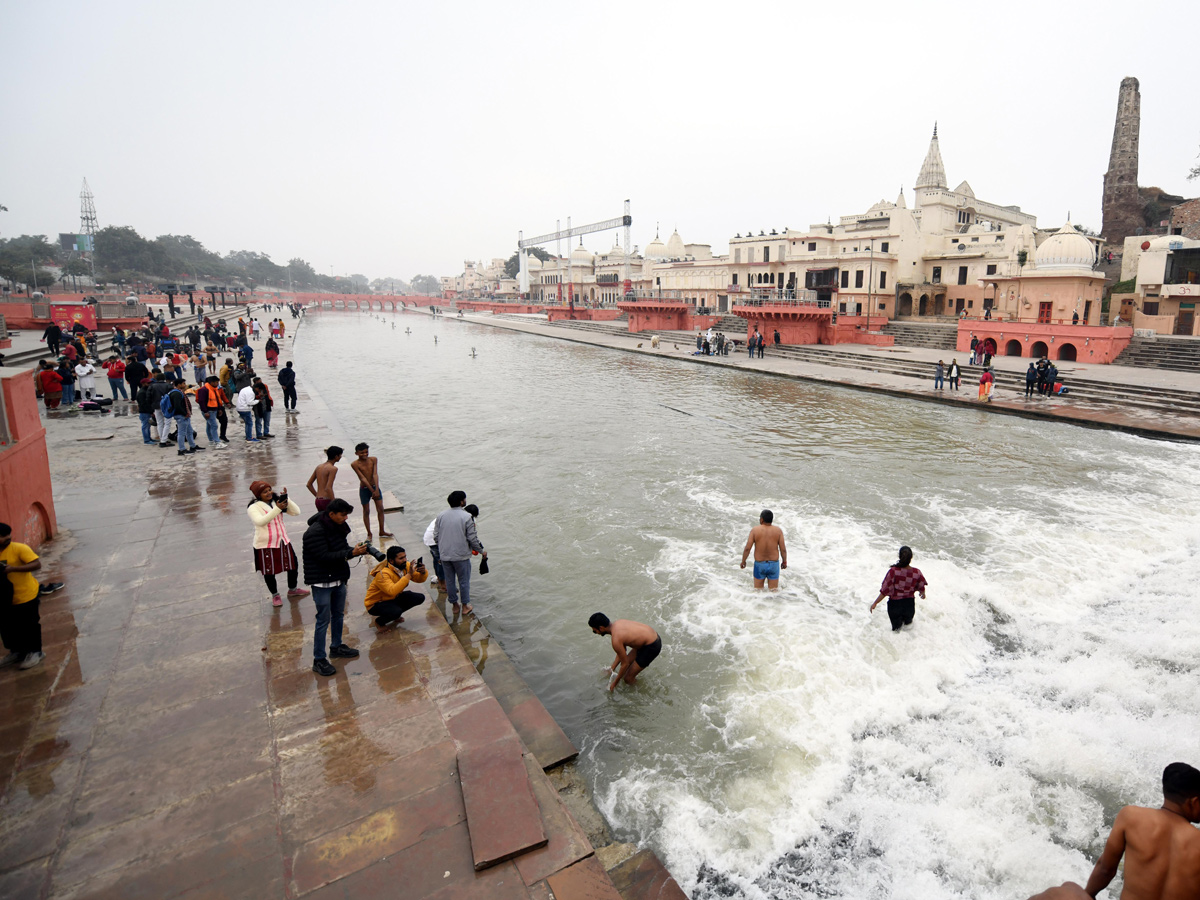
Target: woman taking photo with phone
273,551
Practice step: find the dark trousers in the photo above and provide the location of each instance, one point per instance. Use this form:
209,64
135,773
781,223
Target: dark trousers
21,627
386,610
273,585
289,397
223,422
1029,385
901,612
437,563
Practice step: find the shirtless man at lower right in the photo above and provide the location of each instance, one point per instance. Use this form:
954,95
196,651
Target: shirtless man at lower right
770,551
1161,847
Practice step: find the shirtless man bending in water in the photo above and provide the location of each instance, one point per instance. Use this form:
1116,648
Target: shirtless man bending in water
1160,846
770,552
626,633
324,475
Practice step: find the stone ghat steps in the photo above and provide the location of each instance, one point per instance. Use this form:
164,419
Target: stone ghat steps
598,327
1178,353
28,357
927,336
1157,399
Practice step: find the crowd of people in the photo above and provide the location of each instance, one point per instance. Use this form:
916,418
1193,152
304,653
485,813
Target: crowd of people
170,377
1041,377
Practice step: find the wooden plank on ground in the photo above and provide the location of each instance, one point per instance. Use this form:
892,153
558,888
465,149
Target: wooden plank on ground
390,503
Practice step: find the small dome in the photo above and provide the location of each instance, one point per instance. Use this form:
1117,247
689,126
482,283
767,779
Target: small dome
616,252
581,254
532,262
675,247
656,249
1065,249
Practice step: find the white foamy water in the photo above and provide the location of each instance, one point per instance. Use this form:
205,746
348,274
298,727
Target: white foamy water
789,745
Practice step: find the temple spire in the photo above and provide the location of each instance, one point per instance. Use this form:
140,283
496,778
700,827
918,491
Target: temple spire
933,173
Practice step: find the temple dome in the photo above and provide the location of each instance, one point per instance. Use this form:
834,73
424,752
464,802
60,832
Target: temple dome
675,247
655,249
1065,249
616,252
581,255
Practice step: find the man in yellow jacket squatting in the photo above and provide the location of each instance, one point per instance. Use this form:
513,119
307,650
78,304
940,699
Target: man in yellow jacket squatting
388,598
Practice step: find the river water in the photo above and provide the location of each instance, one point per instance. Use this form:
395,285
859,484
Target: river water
790,745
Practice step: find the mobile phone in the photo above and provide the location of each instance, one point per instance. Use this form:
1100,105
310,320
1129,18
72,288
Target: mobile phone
420,560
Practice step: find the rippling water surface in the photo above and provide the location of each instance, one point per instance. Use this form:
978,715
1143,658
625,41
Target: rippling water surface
790,745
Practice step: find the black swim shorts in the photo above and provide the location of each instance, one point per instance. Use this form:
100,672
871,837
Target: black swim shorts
649,653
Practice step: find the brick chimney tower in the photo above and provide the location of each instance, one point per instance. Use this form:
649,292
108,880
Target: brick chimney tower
1123,213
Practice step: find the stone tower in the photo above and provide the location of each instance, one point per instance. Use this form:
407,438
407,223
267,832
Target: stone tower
1123,213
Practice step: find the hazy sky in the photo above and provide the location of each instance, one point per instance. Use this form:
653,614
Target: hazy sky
401,138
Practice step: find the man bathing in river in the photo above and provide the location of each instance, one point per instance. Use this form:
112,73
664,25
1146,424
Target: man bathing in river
626,633
1160,846
770,551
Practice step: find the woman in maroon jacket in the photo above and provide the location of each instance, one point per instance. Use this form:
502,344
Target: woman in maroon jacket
50,383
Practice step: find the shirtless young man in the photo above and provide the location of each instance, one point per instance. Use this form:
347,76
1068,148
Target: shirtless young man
324,475
1161,847
367,469
626,633
770,552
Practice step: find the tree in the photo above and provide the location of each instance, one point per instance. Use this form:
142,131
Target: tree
1193,174
123,248
426,284
512,268
17,255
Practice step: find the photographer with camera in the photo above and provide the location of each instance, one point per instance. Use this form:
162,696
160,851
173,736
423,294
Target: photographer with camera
388,597
273,551
326,570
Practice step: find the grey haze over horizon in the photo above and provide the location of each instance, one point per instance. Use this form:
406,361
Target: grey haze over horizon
396,139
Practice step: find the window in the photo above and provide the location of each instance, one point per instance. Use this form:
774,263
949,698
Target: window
772,278
882,280
735,279
845,278
974,240
750,254
737,256
766,254
991,269
962,274
858,278
937,275
812,246
883,248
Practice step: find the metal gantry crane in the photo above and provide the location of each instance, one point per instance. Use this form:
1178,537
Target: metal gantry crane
560,233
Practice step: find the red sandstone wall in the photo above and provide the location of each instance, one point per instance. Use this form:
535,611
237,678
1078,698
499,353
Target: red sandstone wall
1092,343
26,494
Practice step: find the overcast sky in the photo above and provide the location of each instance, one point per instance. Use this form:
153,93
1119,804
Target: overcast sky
400,138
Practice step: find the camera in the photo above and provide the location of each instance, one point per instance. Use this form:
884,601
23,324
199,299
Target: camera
379,555
280,498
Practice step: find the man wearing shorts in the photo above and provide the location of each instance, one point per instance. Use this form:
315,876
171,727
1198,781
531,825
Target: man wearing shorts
323,477
770,551
627,634
366,467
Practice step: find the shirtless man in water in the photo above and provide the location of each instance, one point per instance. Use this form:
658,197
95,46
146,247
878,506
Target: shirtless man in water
324,475
1160,846
626,633
770,552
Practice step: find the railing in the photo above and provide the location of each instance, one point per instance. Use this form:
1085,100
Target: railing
3,329
782,301
124,310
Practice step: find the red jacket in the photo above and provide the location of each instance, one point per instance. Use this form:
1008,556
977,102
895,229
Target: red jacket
116,368
51,381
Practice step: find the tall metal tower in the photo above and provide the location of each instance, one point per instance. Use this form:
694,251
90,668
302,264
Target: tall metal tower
87,225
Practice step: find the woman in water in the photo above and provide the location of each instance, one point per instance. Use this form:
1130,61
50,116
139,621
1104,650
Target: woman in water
902,582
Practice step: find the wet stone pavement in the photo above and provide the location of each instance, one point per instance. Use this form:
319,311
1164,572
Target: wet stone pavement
175,742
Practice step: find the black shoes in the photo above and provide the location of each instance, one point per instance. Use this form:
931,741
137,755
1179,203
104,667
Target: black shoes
166,443
324,667
50,588
342,650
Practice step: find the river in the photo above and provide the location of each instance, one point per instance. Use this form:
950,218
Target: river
789,745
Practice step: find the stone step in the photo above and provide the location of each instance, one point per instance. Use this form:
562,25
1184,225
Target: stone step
503,818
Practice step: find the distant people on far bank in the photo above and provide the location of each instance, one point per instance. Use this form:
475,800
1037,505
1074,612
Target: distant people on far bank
953,374
939,376
901,585
454,534
986,382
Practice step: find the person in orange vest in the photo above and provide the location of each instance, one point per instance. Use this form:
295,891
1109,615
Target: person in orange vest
212,402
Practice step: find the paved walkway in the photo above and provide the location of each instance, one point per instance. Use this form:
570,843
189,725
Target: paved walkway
1005,401
176,744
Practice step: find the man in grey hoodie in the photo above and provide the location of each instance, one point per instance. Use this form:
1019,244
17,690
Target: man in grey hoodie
455,537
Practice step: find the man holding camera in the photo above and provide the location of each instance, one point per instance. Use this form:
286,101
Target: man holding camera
388,597
326,570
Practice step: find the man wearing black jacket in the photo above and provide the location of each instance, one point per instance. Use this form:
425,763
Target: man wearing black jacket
53,337
287,380
181,411
326,571
159,388
134,373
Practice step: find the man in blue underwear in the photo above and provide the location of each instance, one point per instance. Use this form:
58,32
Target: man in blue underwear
770,551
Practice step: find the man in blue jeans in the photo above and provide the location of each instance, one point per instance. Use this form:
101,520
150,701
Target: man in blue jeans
181,411
326,570
455,537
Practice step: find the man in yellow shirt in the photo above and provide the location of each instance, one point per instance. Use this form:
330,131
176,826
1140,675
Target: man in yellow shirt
20,625
388,597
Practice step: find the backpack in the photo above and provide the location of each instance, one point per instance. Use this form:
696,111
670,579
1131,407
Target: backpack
165,404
